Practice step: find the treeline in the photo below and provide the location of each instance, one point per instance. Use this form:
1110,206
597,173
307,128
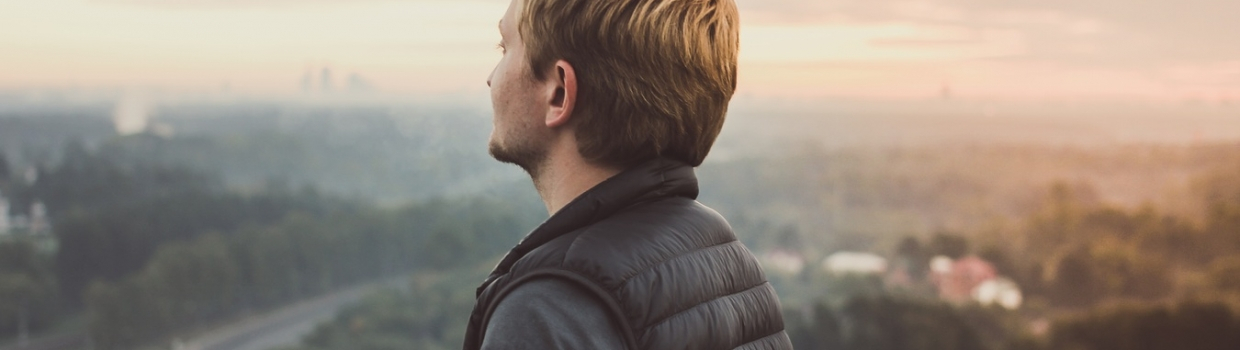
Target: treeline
1093,275
28,293
110,215
430,315
1188,325
893,321
217,275
147,249
1078,251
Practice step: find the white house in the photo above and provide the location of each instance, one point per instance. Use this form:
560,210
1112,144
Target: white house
844,263
783,261
1001,291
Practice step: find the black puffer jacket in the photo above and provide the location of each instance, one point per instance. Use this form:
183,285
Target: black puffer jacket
668,268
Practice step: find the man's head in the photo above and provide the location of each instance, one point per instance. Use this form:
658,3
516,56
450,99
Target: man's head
629,79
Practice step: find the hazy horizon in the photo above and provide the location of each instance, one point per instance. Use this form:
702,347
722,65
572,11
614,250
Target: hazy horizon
1153,50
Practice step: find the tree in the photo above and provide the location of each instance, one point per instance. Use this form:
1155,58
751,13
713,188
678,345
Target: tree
5,174
948,244
198,278
111,242
913,258
430,315
886,322
17,291
1190,325
27,289
1057,222
1074,280
1225,274
816,327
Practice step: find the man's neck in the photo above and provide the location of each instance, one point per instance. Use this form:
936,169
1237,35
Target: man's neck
564,177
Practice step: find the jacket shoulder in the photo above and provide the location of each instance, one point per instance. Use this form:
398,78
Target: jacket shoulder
644,235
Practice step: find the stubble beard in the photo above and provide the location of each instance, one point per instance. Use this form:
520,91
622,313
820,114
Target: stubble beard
522,150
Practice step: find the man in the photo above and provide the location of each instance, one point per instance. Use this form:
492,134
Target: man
608,105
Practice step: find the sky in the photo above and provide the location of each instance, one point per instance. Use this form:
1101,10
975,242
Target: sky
1022,49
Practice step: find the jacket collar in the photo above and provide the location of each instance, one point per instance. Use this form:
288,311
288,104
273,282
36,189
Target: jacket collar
655,179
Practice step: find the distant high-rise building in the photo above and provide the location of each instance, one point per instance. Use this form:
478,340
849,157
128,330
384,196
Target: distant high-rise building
325,80
307,81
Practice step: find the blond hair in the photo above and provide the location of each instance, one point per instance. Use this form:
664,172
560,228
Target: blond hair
654,76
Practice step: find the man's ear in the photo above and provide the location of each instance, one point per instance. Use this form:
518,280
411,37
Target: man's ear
564,95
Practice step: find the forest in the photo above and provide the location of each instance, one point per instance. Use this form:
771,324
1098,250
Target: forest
149,250
153,237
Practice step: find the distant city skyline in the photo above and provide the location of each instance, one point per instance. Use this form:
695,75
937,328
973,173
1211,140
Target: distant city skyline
1164,49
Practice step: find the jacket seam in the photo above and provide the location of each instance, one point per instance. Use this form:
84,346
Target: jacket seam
691,307
777,332
653,265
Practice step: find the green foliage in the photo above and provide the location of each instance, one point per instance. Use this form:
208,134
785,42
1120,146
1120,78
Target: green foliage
86,180
111,242
153,249
184,283
887,322
170,249
216,275
432,314
111,214
913,258
5,173
27,287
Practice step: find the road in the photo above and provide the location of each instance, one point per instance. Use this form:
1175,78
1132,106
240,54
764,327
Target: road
285,326
277,328
75,340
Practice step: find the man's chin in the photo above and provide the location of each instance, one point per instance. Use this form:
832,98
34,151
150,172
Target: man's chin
525,159
503,155
497,152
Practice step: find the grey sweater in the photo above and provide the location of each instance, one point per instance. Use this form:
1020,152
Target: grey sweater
551,314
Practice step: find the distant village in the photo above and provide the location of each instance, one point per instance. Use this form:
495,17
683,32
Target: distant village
27,222
963,280
34,224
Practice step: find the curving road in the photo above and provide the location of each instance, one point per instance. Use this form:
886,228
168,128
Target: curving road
285,326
